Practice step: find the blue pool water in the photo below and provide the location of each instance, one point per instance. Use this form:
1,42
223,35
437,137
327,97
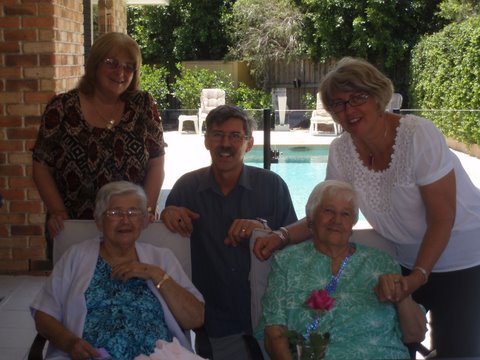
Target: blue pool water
302,167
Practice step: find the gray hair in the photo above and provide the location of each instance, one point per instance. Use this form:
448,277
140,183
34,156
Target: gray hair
115,188
331,188
222,113
356,75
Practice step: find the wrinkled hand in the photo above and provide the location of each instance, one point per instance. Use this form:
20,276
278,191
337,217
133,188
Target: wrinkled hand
134,269
241,229
265,246
179,219
392,288
80,350
55,222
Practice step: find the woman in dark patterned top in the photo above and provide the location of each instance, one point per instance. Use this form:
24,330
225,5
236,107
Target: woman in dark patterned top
104,130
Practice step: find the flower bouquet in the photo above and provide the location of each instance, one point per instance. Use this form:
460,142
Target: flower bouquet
312,344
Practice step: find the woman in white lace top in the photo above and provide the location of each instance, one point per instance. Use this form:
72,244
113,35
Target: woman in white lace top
414,191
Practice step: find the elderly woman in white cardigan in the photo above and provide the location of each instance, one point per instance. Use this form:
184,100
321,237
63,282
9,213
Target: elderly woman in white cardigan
113,294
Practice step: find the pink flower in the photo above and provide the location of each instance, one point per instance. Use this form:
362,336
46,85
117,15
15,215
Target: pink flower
320,300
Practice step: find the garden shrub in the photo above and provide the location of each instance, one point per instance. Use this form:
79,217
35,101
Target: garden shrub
189,84
445,71
154,80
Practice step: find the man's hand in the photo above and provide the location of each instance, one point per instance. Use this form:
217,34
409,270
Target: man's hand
179,219
241,229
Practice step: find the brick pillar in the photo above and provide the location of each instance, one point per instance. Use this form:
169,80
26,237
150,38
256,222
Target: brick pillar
41,54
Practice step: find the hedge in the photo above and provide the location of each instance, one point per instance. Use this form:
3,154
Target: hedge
445,79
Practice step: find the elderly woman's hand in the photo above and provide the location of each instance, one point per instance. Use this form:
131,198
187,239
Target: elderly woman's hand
392,288
81,350
179,219
266,245
134,269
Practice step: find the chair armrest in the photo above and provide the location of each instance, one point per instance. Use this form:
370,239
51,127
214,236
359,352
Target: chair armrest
36,349
253,348
202,345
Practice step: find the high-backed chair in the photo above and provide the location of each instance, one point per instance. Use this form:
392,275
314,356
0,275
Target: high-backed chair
395,103
259,271
320,116
209,99
156,233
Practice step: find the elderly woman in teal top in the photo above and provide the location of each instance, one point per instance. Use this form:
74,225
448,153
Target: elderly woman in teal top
364,322
113,292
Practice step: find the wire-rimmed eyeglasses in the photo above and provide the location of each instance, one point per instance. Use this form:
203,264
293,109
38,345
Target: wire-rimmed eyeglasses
339,106
233,137
117,214
114,64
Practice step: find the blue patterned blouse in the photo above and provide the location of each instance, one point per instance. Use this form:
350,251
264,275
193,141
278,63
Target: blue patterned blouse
125,318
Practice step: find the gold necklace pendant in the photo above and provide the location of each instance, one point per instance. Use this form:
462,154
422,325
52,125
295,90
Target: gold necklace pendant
110,124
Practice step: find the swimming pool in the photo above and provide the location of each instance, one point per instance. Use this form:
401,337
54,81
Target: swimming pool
302,167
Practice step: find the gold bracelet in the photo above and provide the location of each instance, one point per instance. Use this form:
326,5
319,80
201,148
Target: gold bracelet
423,271
160,283
150,210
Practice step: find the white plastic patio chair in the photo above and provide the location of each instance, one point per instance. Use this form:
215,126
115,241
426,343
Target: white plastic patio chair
320,116
209,99
395,103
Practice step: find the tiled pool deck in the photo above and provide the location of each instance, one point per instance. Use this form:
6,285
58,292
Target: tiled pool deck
185,152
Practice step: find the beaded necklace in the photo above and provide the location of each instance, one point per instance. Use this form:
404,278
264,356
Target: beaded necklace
333,283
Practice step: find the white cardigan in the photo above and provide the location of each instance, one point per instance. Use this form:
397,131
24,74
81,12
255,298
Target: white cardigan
62,295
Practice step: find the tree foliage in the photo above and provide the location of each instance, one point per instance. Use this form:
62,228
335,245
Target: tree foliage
183,30
383,32
459,10
263,31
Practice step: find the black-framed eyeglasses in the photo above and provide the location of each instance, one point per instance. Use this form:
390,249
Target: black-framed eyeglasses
113,64
117,214
339,106
233,137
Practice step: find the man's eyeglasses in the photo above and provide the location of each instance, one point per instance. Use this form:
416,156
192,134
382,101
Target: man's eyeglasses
113,64
118,214
339,106
233,137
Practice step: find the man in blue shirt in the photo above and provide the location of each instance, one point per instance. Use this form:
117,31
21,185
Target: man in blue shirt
218,207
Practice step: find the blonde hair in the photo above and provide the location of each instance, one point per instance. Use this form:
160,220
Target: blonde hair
356,75
99,51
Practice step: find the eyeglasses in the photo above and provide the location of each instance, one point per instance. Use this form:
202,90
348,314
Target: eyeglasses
113,64
354,100
233,137
118,214
332,213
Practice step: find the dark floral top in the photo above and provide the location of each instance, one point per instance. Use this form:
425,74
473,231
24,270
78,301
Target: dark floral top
84,158
125,318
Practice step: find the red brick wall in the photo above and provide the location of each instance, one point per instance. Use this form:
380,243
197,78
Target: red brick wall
41,54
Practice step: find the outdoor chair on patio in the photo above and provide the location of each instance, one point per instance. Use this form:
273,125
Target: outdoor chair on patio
395,103
320,117
209,99
157,234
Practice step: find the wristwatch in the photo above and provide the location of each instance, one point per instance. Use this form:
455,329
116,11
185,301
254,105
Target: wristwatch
264,222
